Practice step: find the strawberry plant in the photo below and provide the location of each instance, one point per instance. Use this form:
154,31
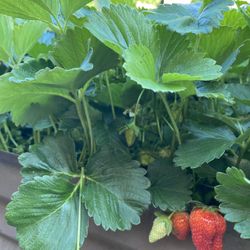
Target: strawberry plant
124,108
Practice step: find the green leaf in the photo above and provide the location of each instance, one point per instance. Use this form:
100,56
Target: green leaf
233,193
26,9
244,8
27,71
131,3
99,4
72,48
18,39
45,213
170,186
152,45
45,210
124,95
178,68
219,51
214,90
47,11
115,194
234,19
52,86
78,48
118,27
190,67
6,31
41,160
49,85
70,7
240,92
191,18
210,144
26,36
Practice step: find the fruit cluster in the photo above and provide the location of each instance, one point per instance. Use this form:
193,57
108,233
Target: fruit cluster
206,225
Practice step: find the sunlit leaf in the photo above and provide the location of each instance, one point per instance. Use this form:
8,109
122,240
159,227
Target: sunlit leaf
191,18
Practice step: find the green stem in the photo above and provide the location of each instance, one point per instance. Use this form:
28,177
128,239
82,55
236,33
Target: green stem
137,105
92,142
173,145
37,136
53,124
58,23
48,131
80,210
158,127
5,146
175,127
79,109
82,155
243,151
110,95
8,132
185,108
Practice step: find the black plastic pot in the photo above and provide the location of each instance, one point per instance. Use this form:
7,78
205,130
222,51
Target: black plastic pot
98,239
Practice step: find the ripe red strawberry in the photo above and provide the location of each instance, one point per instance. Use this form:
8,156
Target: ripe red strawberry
208,228
203,228
221,227
218,243
180,222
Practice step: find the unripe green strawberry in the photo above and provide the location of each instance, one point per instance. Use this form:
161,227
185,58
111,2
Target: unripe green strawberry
162,226
130,136
145,158
180,222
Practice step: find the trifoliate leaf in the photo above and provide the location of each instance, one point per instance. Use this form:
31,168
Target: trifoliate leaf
233,193
210,144
170,186
45,210
191,18
155,58
115,193
52,86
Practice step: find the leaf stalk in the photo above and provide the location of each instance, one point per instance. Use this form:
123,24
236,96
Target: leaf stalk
175,127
